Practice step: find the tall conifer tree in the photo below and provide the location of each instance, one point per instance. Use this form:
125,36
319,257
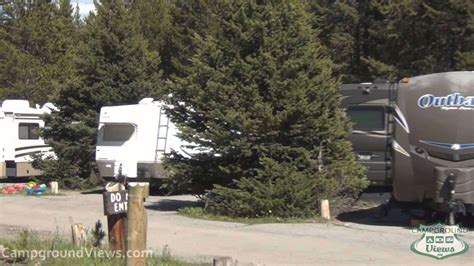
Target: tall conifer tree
35,46
260,98
371,39
114,66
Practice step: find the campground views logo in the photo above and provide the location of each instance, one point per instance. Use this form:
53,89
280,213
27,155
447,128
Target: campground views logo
439,241
454,101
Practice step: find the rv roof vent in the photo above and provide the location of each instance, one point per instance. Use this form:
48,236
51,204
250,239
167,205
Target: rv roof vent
15,104
146,101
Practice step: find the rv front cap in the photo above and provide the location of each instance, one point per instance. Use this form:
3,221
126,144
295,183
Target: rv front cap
451,100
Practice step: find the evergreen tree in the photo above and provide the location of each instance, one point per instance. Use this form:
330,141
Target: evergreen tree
259,99
372,39
422,37
187,19
154,21
77,16
466,57
114,66
336,23
34,49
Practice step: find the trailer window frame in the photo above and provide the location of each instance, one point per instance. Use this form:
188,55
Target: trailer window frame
382,119
123,136
30,131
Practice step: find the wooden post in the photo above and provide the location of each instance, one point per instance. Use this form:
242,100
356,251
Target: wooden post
136,224
54,187
325,212
79,234
116,224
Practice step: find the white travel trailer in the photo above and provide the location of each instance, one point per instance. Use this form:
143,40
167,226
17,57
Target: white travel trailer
133,139
20,141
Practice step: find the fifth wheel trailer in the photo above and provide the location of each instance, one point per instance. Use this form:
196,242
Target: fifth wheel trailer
133,139
418,136
20,141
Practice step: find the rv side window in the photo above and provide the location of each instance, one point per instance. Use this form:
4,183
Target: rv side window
118,132
28,131
367,117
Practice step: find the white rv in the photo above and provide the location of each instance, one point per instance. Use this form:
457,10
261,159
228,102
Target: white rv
133,139
20,141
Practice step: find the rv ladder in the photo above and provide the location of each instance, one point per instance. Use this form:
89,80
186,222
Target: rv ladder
392,94
163,127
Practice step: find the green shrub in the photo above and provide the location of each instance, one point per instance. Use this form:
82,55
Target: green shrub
282,191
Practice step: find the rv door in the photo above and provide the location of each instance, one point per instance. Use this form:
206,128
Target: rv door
367,106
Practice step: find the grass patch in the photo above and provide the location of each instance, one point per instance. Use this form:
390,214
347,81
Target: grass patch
45,252
200,213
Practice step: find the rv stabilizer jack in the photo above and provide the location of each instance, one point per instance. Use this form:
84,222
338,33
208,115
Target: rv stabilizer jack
453,205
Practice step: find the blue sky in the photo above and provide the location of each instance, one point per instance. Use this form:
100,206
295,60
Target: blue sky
84,6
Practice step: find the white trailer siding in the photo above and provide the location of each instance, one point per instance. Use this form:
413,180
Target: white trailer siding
19,141
138,152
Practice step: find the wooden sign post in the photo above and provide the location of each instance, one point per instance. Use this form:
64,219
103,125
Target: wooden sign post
115,207
137,224
115,202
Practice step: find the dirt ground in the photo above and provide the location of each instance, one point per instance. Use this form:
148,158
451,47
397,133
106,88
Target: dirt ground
356,238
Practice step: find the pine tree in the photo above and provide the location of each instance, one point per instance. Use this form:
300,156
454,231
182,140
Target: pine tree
393,39
154,21
34,46
422,37
114,65
336,23
186,19
466,56
260,99
77,16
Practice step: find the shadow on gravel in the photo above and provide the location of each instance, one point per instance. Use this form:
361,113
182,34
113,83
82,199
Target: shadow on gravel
396,217
154,191
93,191
169,205
371,217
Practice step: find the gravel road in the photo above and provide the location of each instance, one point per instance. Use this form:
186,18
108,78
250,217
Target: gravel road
356,239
